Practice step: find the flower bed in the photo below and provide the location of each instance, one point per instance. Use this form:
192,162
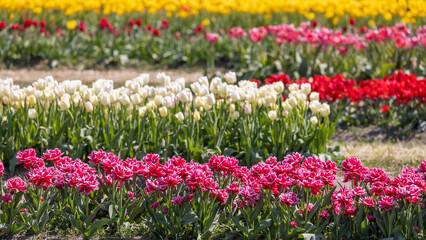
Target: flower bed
397,98
293,197
258,52
219,117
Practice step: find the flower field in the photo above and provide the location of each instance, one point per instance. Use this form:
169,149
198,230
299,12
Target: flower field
256,131
253,49
290,198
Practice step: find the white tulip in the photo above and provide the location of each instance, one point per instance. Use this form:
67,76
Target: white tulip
88,106
124,99
230,77
285,113
247,109
142,111
272,115
199,101
235,115
32,113
94,100
314,120
324,110
210,99
180,116
306,88
196,87
105,99
31,100
235,95
163,111
294,87
159,100
70,88
64,104
315,106
314,96
292,101
196,116
232,108
278,87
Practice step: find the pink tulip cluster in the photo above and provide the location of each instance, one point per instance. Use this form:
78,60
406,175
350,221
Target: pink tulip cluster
288,180
323,36
384,192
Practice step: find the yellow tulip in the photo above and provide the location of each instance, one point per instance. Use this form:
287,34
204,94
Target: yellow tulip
72,24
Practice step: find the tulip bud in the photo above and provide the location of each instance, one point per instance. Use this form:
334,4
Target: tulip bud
278,87
32,113
230,77
314,120
135,99
235,115
179,116
324,110
198,101
247,109
31,100
314,96
272,115
292,101
196,116
294,87
70,89
94,100
163,111
305,88
210,99
64,104
105,99
315,106
235,95
142,111
232,108
158,100
5,100
285,113
88,106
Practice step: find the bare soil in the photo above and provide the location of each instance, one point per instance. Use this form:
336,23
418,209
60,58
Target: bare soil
24,76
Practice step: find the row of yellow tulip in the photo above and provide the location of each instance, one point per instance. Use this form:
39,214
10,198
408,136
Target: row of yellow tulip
408,10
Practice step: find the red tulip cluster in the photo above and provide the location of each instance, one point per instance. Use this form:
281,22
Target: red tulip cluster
403,87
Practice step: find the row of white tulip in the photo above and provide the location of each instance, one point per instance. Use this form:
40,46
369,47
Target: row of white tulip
166,94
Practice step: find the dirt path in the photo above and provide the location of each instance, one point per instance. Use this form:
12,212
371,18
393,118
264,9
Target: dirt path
24,76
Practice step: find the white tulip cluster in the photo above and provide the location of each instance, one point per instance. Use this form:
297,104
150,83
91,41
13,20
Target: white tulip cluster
167,96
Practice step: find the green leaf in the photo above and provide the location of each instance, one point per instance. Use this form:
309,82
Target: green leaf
189,218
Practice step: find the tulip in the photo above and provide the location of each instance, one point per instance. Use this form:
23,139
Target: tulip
210,99
230,77
231,108
306,88
272,115
314,120
163,111
179,116
32,113
142,111
31,100
196,116
247,109
64,104
314,96
235,115
88,106
124,99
